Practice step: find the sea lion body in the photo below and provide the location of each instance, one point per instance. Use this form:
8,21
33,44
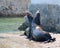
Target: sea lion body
39,35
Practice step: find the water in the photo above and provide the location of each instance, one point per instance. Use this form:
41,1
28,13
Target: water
10,24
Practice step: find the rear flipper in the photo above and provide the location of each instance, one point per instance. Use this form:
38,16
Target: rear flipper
53,39
50,40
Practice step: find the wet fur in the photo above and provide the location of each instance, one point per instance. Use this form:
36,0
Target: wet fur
42,38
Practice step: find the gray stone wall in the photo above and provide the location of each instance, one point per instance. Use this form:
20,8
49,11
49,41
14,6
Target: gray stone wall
50,16
13,6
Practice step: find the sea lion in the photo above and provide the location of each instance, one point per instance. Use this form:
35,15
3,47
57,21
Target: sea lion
39,35
35,31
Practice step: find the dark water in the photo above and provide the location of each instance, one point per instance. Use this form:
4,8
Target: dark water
10,24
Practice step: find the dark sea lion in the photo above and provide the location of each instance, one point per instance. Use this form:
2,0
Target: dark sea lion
34,30
39,35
